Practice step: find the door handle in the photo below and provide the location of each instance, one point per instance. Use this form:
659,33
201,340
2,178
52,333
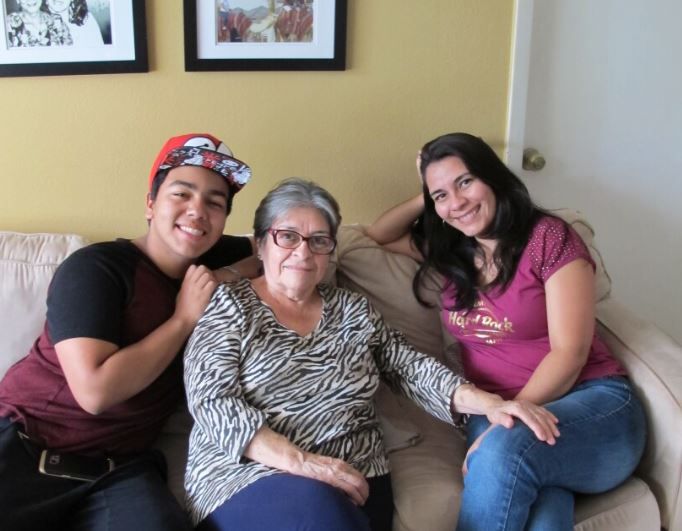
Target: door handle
532,160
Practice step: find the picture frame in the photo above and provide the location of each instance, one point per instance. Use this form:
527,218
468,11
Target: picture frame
105,37
224,35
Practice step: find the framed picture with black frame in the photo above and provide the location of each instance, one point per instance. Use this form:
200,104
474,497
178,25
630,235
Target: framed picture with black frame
66,37
265,35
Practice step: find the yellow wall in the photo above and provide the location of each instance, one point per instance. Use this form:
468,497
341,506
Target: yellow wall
76,150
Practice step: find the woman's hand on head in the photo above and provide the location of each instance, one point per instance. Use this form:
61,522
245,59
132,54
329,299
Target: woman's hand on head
540,420
336,473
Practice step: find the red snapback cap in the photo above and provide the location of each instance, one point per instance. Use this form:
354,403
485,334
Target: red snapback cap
205,151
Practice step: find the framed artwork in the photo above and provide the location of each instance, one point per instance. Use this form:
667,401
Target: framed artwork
265,35
64,37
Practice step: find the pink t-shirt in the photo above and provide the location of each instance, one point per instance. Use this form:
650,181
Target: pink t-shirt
505,336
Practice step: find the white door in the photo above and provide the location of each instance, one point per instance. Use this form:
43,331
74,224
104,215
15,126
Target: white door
597,90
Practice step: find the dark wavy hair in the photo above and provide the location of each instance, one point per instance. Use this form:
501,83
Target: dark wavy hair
452,253
78,10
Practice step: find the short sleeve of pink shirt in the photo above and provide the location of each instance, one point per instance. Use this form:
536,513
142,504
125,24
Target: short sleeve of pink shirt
552,245
505,336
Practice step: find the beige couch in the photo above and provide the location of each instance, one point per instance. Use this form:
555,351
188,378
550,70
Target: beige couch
425,453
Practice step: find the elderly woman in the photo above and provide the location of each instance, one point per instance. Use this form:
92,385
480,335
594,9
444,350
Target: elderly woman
280,375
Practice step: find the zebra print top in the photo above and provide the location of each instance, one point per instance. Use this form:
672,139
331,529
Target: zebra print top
244,370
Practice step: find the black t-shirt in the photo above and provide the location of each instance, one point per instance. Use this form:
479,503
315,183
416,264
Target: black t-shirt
110,291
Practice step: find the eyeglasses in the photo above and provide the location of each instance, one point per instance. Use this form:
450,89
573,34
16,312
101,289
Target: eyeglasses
290,239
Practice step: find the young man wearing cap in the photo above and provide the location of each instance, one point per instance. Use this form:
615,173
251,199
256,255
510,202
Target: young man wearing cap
94,391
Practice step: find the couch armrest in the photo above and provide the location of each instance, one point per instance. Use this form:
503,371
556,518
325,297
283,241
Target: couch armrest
654,362
27,263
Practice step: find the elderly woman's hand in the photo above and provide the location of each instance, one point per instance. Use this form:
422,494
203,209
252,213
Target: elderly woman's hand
275,450
336,473
502,412
540,420
467,398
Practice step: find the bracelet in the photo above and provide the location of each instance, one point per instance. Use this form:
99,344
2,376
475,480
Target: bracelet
233,271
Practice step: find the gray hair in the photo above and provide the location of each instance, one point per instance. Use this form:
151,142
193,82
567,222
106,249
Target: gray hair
295,193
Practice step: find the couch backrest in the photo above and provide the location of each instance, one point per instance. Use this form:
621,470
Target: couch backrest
27,263
386,279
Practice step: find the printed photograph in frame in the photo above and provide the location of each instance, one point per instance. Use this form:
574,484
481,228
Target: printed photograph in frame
66,37
265,35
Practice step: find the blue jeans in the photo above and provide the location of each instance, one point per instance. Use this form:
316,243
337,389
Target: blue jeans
517,482
133,496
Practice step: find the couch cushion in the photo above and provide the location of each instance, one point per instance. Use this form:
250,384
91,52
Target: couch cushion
27,263
631,506
427,478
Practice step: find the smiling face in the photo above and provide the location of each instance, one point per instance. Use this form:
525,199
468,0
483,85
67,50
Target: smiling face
462,200
295,272
187,217
57,6
30,6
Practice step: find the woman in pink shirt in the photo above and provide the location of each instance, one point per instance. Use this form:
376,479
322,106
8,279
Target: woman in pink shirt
519,299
